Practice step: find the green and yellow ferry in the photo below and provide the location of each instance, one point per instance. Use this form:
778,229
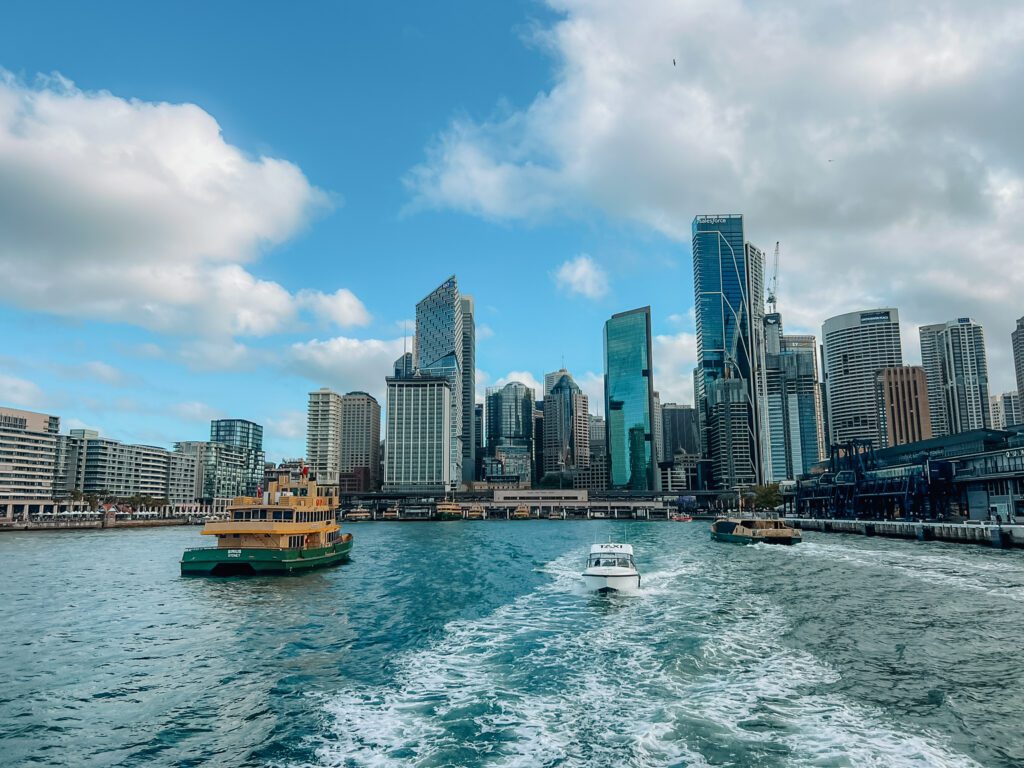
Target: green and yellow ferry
288,529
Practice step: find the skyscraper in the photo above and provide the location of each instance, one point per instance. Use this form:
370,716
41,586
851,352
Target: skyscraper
550,379
929,335
855,347
728,284
1017,340
1005,410
323,435
417,449
629,401
566,427
510,429
679,428
901,394
248,436
478,440
954,360
439,352
792,423
468,389
359,442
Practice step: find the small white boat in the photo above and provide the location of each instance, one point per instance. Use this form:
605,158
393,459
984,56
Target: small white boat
611,567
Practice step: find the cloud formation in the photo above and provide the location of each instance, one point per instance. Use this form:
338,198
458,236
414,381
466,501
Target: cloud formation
139,212
583,276
20,393
876,141
345,364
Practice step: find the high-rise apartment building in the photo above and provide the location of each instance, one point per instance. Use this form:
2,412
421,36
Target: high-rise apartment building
1017,342
792,424
1005,410
359,442
417,448
901,396
954,360
728,283
629,401
855,347
566,427
659,430
248,436
28,454
478,440
323,435
468,389
679,428
440,342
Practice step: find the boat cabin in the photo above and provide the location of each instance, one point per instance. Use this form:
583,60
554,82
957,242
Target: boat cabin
611,556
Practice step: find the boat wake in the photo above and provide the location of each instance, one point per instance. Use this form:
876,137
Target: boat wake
667,677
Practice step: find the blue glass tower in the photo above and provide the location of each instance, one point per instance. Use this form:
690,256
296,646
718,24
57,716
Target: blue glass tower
728,285
439,352
629,401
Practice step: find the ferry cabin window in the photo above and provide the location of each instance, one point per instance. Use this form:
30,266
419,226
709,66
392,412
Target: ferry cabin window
295,542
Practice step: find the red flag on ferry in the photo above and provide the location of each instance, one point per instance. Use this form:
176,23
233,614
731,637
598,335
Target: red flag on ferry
305,471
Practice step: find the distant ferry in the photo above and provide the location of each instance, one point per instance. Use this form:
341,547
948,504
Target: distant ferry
392,513
521,512
750,531
449,510
289,528
476,512
358,515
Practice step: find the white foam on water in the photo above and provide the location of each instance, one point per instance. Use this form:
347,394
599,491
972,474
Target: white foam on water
1001,578
561,678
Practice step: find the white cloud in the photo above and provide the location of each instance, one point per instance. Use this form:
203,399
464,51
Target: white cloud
592,385
19,392
141,212
346,364
877,145
342,308
484,331
289,425
675,357
100,371
196,411
583,276
523,377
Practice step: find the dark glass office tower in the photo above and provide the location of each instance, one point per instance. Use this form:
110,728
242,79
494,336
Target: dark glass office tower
728,285
629,401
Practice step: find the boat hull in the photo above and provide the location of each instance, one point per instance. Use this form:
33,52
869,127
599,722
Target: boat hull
733,538
222,561
622,583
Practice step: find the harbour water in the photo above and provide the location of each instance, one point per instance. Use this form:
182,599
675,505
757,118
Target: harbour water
473,644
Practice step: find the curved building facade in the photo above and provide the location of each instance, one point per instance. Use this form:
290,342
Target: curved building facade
855,347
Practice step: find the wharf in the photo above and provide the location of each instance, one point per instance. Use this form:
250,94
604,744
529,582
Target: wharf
988,534
97,525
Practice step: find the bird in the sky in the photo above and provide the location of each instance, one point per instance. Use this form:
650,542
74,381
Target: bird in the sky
673,62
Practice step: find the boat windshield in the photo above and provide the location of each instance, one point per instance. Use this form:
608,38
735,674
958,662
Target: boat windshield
609,561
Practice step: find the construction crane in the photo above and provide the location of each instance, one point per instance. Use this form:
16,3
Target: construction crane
773,281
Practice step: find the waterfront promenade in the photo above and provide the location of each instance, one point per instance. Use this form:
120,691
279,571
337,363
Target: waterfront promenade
990,534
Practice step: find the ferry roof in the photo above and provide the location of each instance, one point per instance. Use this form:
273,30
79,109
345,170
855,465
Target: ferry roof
611,549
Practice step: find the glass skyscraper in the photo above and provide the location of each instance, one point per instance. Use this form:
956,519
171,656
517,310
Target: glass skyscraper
510,429
248,436
439,352
629,401
728,284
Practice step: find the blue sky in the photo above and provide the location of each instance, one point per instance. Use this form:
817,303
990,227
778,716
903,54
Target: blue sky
550,155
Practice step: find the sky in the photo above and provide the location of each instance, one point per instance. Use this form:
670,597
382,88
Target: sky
211,209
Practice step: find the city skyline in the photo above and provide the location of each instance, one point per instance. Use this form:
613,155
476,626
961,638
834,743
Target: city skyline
274,295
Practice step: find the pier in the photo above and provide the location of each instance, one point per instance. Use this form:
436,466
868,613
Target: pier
988,534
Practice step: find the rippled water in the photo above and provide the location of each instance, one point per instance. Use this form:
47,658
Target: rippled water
466,644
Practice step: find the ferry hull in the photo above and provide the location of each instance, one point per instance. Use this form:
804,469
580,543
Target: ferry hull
623,583
222,561
733,538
